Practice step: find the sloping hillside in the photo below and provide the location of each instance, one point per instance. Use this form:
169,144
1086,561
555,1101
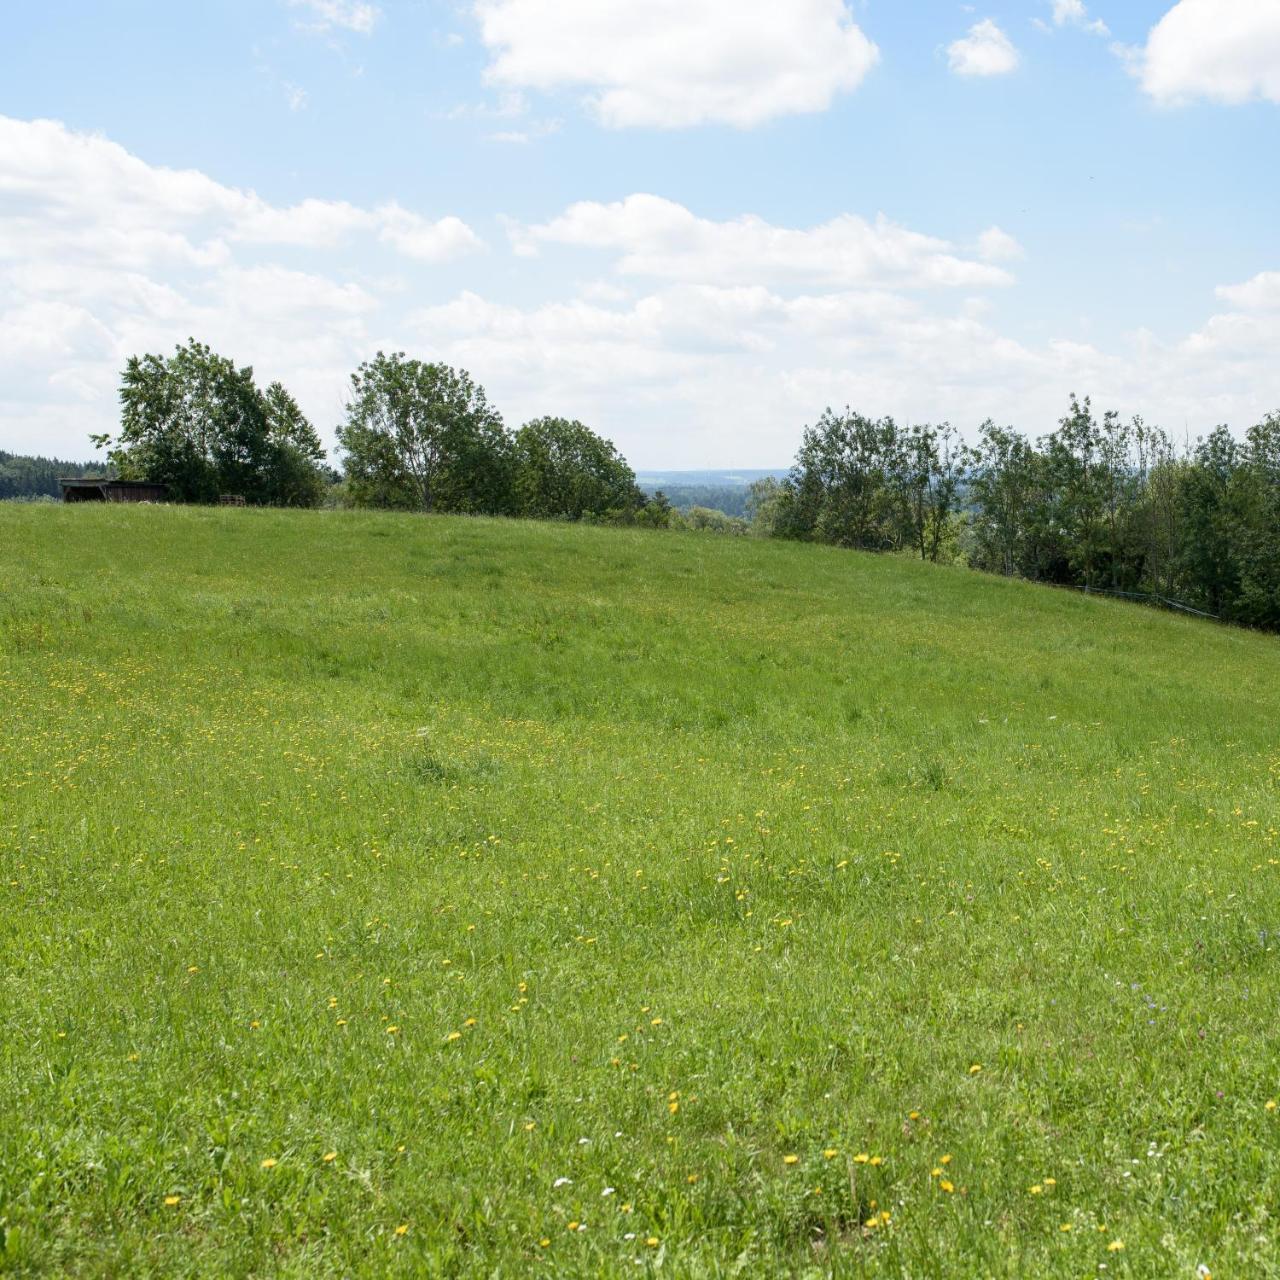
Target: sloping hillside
392,895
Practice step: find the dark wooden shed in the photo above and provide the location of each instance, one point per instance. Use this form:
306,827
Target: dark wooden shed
100,489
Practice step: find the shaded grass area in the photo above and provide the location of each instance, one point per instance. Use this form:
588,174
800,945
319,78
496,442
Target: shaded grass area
735,883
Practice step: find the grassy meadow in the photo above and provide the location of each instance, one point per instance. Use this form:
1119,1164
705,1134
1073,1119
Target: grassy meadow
429,896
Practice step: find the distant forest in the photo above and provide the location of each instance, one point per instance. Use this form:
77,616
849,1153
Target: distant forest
34,478
731,499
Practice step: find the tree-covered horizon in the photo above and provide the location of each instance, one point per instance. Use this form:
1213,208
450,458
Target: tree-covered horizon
33,476
1099,503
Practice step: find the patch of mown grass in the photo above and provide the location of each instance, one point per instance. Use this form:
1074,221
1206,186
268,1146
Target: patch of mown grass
387,895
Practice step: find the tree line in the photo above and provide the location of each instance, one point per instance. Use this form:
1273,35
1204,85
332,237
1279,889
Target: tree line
1099,503
416,436
33,478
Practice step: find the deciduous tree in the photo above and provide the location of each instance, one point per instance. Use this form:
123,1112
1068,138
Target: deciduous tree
197,422
564,470
424,437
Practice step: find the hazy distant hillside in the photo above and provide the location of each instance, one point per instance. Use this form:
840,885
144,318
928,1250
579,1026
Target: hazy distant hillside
724,490
740,478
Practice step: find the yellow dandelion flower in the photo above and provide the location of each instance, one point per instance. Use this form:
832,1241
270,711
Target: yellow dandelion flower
973,1070
946,1186
402,1229
573,1226
829,1153
875,1160
172,1200
790,1159
1066,1226
861,1158
1271,1106
329,1157
270,1162
655,1022
935,1173
470,1022
452,1036
673,1107
652,1242
1036,1190
945,1159
393,1030
544,1243
691,1179
1116,1246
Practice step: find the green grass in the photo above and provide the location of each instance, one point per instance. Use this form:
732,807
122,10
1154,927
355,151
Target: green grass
486,855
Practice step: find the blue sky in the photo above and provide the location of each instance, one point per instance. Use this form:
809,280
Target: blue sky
691,224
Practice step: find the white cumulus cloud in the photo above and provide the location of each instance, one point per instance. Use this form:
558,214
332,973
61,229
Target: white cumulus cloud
653,236
1224,50
420,238
996,245
1262,293
985,51
89,197
677,63
1073,13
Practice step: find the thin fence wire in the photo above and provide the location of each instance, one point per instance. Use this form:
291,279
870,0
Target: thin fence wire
1150,598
